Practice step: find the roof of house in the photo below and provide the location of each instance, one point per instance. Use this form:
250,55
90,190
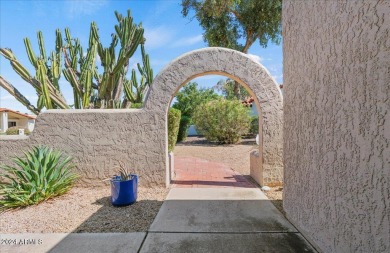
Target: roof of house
249,101
17,113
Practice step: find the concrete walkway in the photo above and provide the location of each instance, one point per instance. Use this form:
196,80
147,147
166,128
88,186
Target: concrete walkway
221,220
230,215
190,220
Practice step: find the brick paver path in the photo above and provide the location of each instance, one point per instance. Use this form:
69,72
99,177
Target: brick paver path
195,172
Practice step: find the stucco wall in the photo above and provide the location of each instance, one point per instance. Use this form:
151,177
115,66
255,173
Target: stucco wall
337,122
98,140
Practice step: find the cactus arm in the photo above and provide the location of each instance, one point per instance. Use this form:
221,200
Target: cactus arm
30,52
14,92
25,75
135,41
41,75
70,76
55,70
41,44
87,89
55,95
145,70
58,41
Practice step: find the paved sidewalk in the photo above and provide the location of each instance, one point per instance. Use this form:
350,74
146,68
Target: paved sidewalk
190,220
221,220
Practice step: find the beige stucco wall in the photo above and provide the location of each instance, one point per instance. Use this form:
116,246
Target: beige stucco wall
99,139
337,122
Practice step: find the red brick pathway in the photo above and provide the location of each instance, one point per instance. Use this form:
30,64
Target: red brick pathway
195,172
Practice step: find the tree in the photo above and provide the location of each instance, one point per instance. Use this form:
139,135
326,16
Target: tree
187,100
226,86
237,24
190,97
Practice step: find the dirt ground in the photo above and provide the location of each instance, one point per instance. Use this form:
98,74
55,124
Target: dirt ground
236,156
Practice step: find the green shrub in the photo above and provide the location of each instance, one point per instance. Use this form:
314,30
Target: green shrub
254,128
224,121
44,173
136,105
15,131
183,128
173,127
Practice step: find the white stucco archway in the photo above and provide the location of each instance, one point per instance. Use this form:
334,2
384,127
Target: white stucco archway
252,75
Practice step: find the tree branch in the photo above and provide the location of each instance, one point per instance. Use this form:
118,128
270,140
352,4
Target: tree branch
14,92
248,42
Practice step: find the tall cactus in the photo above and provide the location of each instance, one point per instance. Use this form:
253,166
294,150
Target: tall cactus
47,73
109,85
134,90
81,80
90,89
115,68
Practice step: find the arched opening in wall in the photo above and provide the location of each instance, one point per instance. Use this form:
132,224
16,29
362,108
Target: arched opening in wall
250,74
216,135
16,123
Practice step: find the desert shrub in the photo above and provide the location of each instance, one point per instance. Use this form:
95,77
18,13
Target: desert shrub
254,127
190,96
42,174
224,121
136,105
187,99
173,127
15,131
183,128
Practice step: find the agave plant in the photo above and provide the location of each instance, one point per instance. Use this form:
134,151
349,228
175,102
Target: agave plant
42,174
124,173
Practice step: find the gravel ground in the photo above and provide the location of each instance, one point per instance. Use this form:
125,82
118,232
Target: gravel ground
85,210
276,197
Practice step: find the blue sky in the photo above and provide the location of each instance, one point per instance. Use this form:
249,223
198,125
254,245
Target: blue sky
168,35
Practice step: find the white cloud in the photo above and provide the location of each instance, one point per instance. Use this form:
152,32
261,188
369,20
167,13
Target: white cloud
84,7
157,37
254,57
189,41
160,8
7,97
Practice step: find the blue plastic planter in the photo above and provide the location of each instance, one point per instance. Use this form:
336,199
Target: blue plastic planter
124,193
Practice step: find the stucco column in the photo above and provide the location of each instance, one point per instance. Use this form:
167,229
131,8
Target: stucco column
4,121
